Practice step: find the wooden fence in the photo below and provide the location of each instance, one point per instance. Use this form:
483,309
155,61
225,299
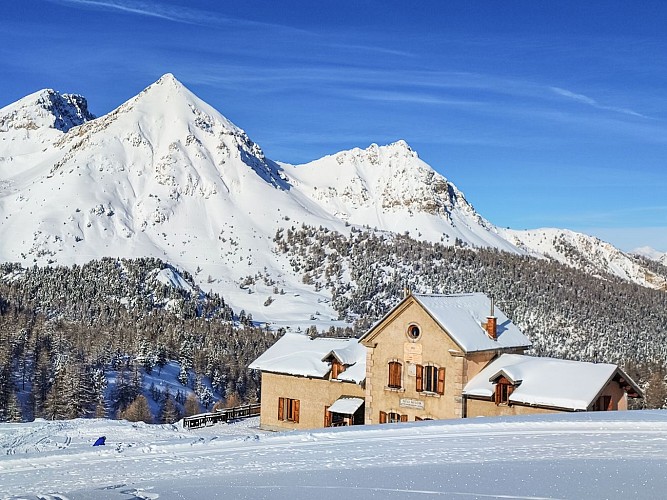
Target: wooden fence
222,415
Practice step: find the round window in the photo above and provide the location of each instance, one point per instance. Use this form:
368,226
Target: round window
413,331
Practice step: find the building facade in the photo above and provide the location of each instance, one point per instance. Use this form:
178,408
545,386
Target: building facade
312,382
430,357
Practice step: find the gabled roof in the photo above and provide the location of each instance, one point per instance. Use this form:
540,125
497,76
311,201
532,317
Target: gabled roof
298,354
549,382
461,316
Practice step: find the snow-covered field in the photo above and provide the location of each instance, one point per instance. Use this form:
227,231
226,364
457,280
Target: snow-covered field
584,455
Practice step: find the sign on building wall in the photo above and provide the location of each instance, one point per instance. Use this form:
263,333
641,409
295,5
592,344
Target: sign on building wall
412,353
411,403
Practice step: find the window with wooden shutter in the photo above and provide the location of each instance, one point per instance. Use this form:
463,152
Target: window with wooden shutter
431,379
441,381
336,369
295,414
393,417
394,374
420,378
288,409
603,404
383,417
281,408
503,391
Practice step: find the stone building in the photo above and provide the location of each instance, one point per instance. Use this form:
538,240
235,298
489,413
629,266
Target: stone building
309,383
430,357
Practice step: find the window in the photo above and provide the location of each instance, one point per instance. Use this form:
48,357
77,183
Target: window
288,409
413,331
430,379
395,370
336,369
392,417
503,391
603,403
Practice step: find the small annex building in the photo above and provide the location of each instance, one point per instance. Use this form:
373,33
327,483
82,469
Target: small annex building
517,384
312,382
430,357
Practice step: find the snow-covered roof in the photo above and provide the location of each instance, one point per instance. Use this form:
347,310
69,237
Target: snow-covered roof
462,315
345,405
298,354
549,382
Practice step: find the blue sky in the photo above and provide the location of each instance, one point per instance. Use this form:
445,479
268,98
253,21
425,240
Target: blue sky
543,113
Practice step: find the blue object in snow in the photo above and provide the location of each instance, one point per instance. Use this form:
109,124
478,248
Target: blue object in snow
100,441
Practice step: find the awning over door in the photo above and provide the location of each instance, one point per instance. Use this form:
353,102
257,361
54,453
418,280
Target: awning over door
346,406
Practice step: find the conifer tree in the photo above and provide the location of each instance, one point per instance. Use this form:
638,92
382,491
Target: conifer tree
169,411
192,406
138,411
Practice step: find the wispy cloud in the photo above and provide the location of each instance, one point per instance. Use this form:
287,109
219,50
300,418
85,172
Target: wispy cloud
371,48
177,14
408,97
592,102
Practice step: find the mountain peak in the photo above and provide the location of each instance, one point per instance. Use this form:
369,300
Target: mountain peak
46,108
402,147
399,148
168,79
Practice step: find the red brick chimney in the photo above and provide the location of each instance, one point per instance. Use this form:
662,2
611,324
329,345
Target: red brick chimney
491,323
491,327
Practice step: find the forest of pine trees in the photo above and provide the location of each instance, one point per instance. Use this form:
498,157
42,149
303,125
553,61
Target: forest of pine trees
64,330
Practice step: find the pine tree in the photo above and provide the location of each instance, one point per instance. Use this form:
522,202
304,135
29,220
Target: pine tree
138,411
192,406
169,411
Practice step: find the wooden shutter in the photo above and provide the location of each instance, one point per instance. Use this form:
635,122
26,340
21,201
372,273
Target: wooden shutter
383,417
420,378
498,389
297,405
607,403
327,417
441,380
404,418
281,408
394,374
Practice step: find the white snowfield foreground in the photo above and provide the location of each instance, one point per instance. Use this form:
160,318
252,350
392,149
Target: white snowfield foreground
584,455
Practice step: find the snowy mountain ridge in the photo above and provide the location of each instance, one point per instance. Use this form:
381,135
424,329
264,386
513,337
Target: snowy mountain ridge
651,253
166,175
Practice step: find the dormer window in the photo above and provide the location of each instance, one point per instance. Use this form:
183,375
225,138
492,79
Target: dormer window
504,389
336,368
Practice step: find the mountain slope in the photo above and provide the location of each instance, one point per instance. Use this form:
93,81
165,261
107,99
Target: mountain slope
166,175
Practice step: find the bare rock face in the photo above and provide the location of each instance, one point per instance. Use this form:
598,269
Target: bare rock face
46,109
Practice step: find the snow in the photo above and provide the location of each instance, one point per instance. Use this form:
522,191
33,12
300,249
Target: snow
166,175
651,253
171,278
550,382
298,354
346,406
583,455
462,315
